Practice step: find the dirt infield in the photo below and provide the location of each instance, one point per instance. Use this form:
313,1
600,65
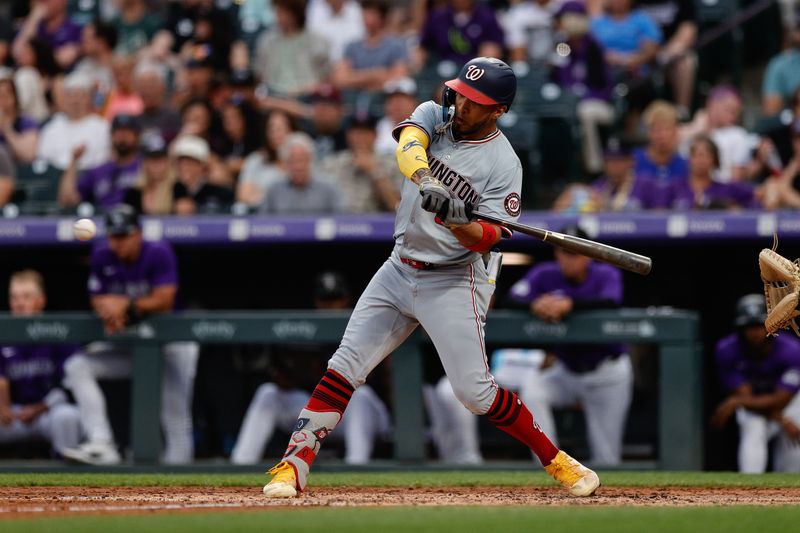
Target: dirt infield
18,502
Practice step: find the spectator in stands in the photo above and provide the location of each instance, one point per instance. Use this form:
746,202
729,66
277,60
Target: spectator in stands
105,186
528,27
194,82
584,72
340,22
761,376
123,98
50,20
262,168
6,37
98,40
35,70
676,19
631,41
185,15
242,86
19,133
400,100
7,176
150,83
599,377
129,279
153,192
719,120
458,31
619,189
701,190
659,160
75,126
302,192
241,134
276,403
192,191
199,119
291,59
783,190
32,403
136,24
325,121
368,64
370,182
782,78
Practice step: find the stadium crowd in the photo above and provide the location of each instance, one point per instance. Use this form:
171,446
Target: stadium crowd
279,107
286,106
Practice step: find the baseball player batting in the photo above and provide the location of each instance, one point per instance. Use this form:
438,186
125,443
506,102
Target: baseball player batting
435,276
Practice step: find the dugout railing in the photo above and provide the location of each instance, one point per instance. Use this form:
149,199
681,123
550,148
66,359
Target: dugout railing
674,332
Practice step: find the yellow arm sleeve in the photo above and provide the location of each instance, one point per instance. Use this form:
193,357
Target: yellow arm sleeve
411,150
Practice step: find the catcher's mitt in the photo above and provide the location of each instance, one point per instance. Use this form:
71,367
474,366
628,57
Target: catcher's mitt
781,279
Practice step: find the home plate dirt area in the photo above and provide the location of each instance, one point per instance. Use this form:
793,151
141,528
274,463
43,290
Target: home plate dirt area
17,502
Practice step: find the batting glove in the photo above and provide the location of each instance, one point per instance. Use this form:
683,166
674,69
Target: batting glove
434,195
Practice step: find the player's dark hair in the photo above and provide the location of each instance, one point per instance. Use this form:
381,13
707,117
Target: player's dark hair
380,6
297,8
710,144
272,151
106,32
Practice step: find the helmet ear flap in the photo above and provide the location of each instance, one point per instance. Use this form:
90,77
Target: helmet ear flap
448,99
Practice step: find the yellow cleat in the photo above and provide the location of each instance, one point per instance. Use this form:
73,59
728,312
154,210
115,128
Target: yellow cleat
283,483
580,481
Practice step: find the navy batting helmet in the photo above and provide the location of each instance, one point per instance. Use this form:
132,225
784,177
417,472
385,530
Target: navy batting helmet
750,309
484,80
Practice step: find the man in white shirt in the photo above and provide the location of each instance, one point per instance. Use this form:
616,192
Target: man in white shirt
339,21
75,126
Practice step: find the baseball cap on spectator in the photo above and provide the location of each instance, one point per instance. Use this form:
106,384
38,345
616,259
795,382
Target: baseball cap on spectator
125,121
191,146
153,145
403,85
721,91
363,121
617,148
330,286
571,7
326,93
122,220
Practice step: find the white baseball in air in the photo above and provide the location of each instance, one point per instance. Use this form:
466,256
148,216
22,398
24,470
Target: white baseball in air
84,229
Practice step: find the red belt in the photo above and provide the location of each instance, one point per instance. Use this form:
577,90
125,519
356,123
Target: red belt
419,265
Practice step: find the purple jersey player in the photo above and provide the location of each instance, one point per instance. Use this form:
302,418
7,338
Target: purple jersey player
600,377
32,404
131,278
761,376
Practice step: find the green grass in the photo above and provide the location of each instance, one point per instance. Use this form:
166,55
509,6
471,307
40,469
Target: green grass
467,478
441,519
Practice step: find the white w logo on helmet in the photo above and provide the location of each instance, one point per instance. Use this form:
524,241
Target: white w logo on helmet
473,73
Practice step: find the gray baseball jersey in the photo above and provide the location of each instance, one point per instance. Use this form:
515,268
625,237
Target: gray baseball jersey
450,301
485,172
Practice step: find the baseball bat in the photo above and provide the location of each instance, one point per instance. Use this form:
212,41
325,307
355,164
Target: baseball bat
630,261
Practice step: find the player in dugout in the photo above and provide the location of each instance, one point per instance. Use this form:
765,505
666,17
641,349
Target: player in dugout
761,375
32,403
131,278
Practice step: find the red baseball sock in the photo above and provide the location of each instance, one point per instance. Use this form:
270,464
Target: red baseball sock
510,414
332,393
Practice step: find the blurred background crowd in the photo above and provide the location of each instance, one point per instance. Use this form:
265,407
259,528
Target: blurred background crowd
286,106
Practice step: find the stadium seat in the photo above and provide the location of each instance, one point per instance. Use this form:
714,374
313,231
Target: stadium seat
36,188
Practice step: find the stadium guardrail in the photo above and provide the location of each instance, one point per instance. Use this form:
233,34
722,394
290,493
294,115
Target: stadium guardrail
675,332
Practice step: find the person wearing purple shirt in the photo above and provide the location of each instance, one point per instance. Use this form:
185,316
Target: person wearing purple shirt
620,189
106,185
701,191
50,21
129,279
600,377
761,376
32,404
660,160
461,31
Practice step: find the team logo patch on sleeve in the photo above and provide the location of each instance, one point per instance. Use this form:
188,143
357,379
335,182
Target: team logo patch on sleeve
512,204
